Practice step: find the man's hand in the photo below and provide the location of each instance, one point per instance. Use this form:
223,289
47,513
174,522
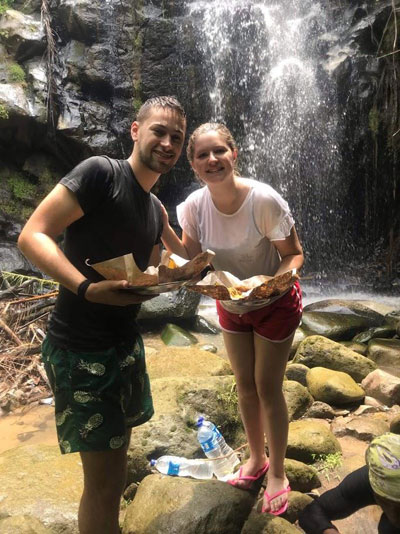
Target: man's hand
109,292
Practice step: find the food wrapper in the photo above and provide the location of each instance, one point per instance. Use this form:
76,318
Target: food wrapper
222,285
172,269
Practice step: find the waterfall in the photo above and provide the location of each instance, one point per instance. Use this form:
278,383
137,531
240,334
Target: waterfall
262,63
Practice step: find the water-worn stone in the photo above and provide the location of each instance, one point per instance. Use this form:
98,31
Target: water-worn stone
333,387
267,524
320,410
384,331
318,351
302,477
335,326
177,336
22,524
297,502
181,304
383,386
299,335
33,477
310,439
395,424
364,427
385,352
297,397
364,309
360,348
208,347
297,372
186,361
185,506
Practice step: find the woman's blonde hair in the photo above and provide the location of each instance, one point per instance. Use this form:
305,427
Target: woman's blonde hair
221,129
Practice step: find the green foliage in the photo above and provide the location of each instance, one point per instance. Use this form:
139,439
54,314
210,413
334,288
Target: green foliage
327,464
3,112
373,120
137,103
21,188
16,73
228,397
5,4
14,279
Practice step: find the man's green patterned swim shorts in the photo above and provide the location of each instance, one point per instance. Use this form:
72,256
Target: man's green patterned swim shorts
98,395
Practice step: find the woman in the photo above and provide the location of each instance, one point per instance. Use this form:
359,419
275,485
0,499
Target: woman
378,482
249,227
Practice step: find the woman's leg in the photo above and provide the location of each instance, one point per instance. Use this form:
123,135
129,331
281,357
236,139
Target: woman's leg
240,349
270,365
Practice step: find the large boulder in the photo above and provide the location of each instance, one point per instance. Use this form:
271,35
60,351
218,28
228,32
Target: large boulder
185,506
267,524
181,304
384,331
366,309
297,397
364,427
297,372
382,386
337,326
318,351
333,387
386,353
302,477
310,440
38,481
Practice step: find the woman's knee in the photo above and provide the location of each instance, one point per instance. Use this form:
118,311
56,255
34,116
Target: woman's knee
270,394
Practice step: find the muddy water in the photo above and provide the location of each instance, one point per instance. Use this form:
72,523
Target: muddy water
29,424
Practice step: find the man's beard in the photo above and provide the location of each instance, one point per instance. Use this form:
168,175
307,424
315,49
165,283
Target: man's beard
153,164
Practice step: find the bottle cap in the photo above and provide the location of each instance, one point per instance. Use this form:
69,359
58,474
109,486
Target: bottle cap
200,421
153,462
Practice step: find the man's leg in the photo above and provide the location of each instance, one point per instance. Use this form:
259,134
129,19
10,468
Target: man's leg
104,482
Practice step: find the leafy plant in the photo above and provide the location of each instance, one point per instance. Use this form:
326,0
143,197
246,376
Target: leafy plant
327,464
16,73
4,5
3,112
21,188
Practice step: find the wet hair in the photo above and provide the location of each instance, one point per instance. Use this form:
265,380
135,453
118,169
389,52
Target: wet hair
164,102
221,129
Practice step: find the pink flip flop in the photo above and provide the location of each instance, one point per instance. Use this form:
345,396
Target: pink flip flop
270,498
248,479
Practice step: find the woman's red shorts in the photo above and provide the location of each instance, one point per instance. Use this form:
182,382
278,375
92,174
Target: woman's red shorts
275,322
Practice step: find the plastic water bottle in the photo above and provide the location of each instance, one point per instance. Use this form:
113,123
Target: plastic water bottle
182,467
214,446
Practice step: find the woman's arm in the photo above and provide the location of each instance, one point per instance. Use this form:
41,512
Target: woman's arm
290,251
186,247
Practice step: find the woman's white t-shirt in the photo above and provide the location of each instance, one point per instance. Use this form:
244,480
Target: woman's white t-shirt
242,241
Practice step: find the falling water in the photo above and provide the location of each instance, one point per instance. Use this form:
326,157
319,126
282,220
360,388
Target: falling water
262,63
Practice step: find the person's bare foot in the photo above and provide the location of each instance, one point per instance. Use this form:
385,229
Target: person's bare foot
274,486
250,468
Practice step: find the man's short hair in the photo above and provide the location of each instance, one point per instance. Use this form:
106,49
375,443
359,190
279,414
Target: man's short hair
165,102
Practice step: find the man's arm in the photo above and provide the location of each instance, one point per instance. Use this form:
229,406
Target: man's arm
37,241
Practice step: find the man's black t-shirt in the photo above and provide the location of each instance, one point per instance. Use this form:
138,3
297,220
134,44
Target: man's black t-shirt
119,218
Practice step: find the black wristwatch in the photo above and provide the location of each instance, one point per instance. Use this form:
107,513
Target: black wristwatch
82,288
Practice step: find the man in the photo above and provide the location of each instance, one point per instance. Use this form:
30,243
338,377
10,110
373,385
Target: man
93,353
378,482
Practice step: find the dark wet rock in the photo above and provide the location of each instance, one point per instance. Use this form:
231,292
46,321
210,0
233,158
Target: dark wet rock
320,410
395,424
333,387
346,307
298,338
336,326
13,261
177,336
201,325
302,477
297,502
384,331
130,491
382,386
297,397
318,351
22,34
309,440
297,372
364,427
179,304
174,504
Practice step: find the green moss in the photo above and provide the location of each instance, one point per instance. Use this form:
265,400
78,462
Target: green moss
3,112
21,188
4,5
373,120
16,73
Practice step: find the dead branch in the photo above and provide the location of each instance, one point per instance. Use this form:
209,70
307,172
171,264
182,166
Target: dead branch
11,334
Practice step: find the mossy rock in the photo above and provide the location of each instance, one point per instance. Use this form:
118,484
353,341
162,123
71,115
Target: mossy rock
177,336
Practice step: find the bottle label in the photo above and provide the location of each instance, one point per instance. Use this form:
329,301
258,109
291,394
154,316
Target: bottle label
173,469
210,444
